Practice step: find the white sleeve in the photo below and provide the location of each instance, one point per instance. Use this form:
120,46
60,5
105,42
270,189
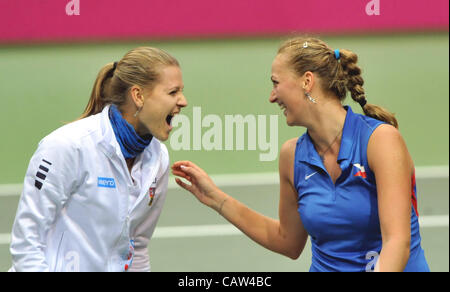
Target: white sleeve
48,183
144,232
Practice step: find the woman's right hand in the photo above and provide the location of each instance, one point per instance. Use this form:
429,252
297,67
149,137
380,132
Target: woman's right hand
202,186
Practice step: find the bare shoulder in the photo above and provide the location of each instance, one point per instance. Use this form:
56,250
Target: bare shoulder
385,138
288,147
387,145
287,156
287,151
385,132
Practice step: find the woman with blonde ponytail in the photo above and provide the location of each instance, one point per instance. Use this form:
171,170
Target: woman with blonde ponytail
348,183
95,188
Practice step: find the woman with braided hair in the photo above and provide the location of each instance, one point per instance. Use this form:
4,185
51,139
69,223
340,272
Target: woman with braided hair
347,183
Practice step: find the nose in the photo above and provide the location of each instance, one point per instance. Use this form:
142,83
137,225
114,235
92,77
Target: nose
182,102
272,97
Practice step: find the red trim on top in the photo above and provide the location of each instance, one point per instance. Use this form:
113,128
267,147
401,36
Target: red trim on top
413,193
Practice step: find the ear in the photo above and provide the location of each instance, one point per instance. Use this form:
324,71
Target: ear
137,96
308,81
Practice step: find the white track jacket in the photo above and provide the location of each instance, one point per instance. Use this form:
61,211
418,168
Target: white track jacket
75,212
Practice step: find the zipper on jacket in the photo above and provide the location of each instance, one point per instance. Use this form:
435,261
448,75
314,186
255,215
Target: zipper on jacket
58,254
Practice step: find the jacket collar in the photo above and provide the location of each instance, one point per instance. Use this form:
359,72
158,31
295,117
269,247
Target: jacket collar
106,139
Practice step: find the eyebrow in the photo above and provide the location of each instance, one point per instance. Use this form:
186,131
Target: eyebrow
177,88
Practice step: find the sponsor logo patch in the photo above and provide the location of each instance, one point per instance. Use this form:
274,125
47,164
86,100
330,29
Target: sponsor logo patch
106,182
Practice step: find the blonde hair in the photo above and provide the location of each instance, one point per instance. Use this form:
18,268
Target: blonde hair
336,75
140,66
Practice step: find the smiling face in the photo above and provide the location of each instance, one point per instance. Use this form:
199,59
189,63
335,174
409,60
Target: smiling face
161,103
288,91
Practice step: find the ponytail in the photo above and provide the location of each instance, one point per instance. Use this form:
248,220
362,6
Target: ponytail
355,84
96,102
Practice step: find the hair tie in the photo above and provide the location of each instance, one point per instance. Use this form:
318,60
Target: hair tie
337,54
114,66
362,102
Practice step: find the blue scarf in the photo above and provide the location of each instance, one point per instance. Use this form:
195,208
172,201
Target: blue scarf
130,142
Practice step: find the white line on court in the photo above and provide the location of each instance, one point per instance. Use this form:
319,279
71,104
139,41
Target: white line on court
5,238
433,221
228,229
250,179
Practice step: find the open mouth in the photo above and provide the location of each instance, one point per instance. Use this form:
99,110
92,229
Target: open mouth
169,119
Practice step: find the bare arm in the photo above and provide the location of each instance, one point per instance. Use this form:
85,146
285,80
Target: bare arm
390,161
285,236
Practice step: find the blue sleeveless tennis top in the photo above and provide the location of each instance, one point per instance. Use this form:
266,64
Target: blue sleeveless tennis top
342,218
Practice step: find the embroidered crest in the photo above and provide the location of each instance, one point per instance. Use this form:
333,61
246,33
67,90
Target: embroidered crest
151,194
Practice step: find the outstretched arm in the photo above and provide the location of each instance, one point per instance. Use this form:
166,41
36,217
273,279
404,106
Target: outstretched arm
285,236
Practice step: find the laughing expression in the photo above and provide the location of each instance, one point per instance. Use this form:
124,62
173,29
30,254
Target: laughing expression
287,91
162,103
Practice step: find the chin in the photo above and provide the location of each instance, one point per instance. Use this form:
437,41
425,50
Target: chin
290,123
162,136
